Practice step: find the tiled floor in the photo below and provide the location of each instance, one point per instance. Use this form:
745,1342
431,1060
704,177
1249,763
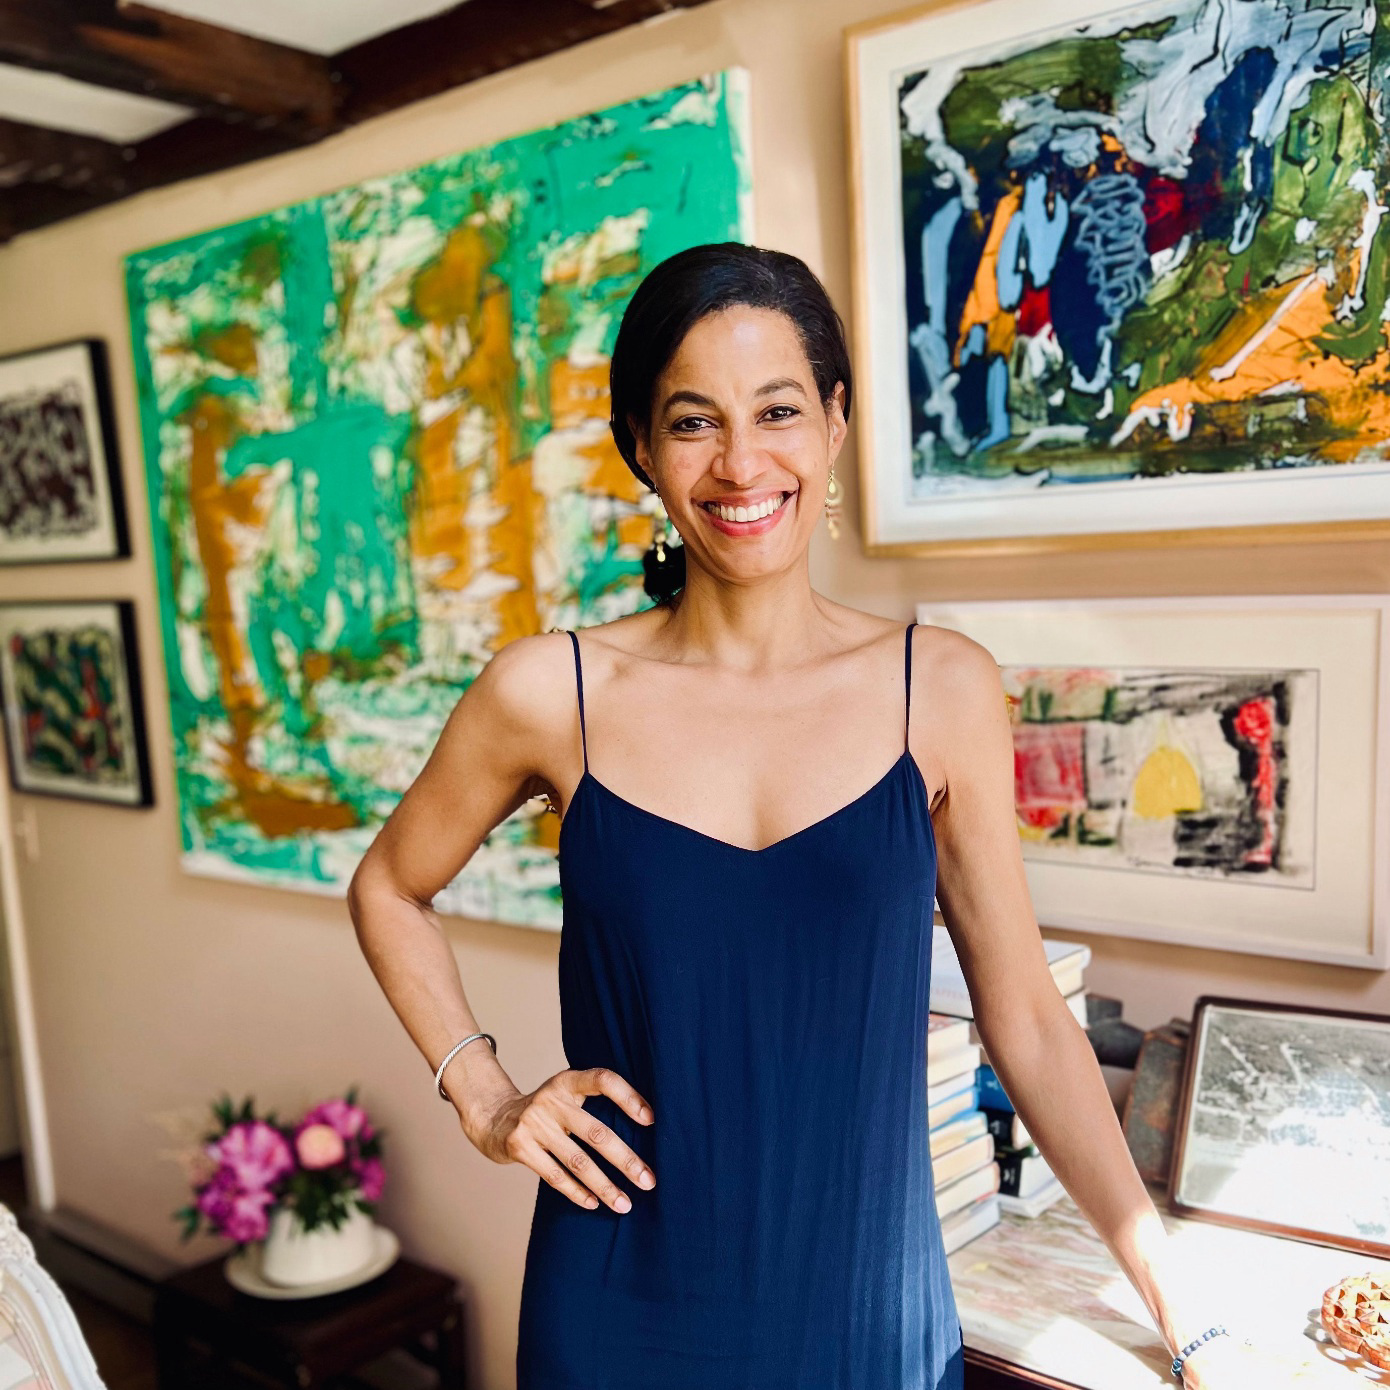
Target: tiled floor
124,1349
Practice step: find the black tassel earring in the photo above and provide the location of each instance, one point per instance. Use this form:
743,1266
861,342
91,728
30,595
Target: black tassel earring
663,563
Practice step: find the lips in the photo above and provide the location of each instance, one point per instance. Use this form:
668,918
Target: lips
746,516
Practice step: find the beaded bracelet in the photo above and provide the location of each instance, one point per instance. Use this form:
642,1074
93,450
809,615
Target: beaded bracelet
1217,1331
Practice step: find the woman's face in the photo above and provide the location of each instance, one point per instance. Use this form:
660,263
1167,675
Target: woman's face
740,446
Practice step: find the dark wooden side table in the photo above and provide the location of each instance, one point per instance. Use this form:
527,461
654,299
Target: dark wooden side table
204,1327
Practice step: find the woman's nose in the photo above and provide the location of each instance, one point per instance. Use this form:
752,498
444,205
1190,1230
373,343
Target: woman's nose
741,460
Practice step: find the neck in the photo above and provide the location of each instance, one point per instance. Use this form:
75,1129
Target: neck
775,622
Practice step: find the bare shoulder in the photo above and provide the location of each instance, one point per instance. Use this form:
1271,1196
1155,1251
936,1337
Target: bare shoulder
959,669
528,687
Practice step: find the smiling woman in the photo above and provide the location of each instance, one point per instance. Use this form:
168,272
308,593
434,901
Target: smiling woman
736,1178
748,298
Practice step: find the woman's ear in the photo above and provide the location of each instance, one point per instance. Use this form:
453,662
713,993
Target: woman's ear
835,418
641,439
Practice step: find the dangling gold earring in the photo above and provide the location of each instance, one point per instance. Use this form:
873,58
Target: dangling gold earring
659,524
834,499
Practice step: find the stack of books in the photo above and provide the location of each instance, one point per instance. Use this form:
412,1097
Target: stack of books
1027,1185
964,1173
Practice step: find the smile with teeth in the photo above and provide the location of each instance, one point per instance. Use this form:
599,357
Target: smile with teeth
753,513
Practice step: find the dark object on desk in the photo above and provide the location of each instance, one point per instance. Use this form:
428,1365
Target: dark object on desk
1151,1109
1115,1042
1100,1007
203,1326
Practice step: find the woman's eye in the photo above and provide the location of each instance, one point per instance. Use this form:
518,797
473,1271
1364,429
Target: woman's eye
787,412
688,424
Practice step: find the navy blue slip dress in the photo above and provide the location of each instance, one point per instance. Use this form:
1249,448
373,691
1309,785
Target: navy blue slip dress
771,1005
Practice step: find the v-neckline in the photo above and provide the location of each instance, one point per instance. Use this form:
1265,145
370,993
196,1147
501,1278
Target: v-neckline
587,776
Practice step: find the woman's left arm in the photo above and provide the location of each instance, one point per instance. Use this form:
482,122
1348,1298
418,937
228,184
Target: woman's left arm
1033,1041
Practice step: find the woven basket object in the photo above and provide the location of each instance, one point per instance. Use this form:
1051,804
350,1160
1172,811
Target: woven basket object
1357,1314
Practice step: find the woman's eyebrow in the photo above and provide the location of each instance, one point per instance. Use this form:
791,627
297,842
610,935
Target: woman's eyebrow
686,398
768,388
780,383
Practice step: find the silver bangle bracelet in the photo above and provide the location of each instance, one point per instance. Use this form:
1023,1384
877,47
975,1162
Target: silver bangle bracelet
439,1075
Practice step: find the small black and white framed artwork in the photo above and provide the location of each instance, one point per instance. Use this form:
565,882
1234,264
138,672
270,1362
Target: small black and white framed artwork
60,483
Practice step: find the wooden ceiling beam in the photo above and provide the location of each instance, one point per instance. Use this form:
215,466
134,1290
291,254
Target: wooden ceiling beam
204,145
215,71
471,41
42,177
255,99
32,154
26,206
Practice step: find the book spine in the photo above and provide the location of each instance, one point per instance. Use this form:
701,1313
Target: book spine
992,1094
949,1107
1011,1167
957,1062
950,996
1002,1124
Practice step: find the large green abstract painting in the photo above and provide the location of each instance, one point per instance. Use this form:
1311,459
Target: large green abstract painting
376,442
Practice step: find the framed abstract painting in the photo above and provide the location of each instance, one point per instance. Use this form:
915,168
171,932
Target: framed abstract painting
377,450
1204,771
1121,273
60,480
73,710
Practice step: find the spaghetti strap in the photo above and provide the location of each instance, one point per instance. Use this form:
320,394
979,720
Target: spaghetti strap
579,688
907,683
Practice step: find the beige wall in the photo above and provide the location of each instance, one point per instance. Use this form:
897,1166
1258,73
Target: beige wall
155,989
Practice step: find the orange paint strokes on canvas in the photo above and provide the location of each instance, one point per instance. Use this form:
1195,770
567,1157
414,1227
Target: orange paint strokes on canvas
214,501
438,527
455,291
448,288
1271,340
982,304
233,346
274,806
579,394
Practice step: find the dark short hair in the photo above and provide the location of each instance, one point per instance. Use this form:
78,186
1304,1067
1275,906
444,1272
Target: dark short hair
681,290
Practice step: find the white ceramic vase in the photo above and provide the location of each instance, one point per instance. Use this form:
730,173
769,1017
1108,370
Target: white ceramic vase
293,1256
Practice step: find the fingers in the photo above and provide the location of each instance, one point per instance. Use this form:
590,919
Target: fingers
600,1136
554,1172
583,1167
542,1140
605,1081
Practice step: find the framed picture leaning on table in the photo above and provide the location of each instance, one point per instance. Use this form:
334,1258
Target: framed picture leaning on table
1284,1123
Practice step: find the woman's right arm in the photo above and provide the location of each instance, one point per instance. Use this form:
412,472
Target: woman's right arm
513,734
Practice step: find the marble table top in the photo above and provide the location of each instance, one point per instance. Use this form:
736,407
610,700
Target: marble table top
1045,1294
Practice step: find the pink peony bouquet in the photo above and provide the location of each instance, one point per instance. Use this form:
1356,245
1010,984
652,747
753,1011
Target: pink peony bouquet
322,1166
